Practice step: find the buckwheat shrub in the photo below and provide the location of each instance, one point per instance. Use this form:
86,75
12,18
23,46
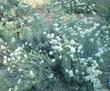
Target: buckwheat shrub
64,53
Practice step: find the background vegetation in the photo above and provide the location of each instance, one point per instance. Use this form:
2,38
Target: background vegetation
56,45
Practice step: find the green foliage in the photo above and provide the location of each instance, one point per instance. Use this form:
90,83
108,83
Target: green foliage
62,53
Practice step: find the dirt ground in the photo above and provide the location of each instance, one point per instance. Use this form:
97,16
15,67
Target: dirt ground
36,3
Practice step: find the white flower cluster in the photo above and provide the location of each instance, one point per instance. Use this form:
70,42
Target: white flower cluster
93,75
55,41
31,74
13,40
17,63
56,27
92,70
100,52
60,45
3,45
16,57
70,72
51,76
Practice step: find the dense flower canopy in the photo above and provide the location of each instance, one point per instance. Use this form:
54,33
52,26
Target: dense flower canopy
61,46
